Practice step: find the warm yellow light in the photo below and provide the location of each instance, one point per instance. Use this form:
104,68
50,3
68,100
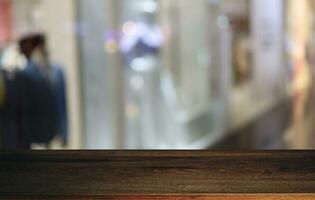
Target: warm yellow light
111,46
129,28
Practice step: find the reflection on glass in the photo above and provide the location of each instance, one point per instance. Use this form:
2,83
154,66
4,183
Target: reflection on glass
160,74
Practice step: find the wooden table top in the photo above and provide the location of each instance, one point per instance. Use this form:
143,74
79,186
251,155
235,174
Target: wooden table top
158,175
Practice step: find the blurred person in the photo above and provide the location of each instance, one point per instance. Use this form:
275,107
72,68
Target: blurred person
33,96
46,116
297,136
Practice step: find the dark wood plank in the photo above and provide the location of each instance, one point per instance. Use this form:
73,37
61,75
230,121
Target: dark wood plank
94,173
176,197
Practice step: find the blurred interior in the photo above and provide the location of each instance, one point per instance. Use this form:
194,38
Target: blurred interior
157,74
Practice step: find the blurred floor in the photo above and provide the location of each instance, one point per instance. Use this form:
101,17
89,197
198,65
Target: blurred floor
289,125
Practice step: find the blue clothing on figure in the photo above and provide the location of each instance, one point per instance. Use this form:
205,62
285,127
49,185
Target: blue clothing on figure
61,103
44,105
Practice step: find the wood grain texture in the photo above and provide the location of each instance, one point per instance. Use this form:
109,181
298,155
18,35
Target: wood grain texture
176,197
185,174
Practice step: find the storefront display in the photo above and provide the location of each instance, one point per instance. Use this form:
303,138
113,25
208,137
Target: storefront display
167,74
170,59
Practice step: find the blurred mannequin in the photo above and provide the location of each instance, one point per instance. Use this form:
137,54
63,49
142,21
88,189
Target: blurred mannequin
140,45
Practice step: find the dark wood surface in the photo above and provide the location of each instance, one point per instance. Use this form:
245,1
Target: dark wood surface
174,197
185,174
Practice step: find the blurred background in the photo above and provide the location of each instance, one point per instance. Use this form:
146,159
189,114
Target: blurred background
157,74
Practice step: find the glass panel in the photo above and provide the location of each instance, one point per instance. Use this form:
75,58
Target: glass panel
164,74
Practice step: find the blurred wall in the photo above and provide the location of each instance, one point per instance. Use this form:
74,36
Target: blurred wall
5,21
102,81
